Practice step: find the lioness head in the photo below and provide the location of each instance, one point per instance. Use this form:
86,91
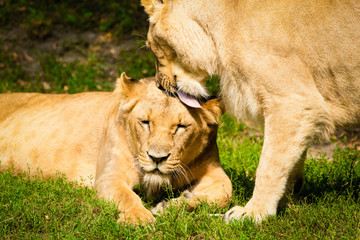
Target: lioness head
165,136
184,50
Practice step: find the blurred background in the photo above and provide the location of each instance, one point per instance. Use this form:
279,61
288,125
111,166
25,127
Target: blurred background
71,46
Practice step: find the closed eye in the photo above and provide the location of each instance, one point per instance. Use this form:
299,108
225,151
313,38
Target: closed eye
181,127
145,122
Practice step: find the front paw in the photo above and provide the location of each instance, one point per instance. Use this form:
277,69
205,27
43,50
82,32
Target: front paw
163,205
239,213
160,207
136,216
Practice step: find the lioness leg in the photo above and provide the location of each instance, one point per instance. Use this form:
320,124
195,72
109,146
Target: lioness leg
294,113
115,178
282,158
294,183
128,202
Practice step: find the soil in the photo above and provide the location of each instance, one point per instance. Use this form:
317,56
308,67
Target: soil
71,45
343,138
67,44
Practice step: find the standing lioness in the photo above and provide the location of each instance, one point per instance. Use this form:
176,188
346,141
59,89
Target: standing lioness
293,65
133,135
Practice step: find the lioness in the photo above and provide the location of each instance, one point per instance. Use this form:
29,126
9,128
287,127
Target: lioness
133,135
293,66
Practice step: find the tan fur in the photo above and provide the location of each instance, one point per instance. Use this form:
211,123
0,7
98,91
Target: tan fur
112,140
292,65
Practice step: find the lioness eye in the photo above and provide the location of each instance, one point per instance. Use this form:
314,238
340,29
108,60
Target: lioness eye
181,126
145,122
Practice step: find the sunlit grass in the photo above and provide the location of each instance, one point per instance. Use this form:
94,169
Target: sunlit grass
327,208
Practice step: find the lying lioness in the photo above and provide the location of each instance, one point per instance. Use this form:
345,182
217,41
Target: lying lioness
136,134
293,65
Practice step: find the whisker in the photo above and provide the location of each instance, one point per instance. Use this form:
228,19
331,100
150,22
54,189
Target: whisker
188,171
176,175
183,173
139,35
141,48
138,163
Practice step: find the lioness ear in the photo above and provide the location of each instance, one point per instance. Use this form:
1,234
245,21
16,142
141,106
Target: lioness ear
214,109
124,84
128,90
151,5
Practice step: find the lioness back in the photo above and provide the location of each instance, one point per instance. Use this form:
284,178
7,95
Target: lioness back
52,132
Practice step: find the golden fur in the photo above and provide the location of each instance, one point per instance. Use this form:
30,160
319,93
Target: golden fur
293,66
115,141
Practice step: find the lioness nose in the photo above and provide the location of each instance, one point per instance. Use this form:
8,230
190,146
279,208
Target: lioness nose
158,158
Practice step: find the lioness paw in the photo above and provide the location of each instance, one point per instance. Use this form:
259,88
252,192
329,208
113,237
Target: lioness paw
163,205
240,213
137,217
160,207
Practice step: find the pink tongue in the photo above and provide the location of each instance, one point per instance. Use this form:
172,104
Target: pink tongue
188,100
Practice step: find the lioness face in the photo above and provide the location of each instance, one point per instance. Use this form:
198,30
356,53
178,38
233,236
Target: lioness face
168,136
172,37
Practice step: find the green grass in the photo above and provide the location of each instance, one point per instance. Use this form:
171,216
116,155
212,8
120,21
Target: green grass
38,16
72,77
327,208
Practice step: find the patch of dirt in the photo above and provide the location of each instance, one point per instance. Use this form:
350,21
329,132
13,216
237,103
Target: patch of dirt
67,44
343,138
